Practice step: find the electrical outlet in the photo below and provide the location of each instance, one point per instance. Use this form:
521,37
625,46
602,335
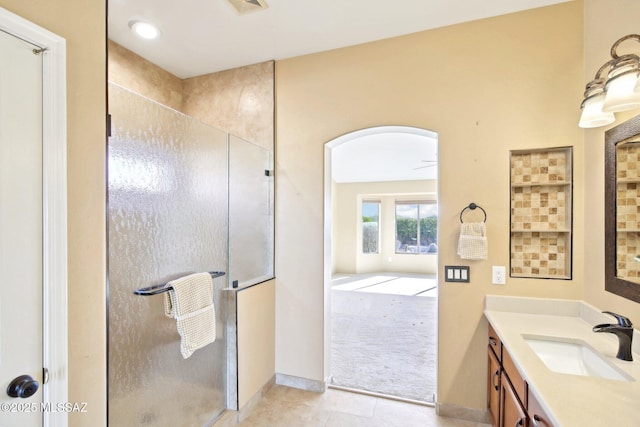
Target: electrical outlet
498,275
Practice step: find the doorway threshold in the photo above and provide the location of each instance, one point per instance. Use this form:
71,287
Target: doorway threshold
382,395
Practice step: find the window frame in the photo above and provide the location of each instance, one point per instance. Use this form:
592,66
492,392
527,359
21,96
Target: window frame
378,235
419,218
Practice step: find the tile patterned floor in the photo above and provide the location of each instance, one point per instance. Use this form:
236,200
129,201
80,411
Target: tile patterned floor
288,407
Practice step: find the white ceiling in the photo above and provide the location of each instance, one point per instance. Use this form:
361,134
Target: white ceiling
206,36
388,153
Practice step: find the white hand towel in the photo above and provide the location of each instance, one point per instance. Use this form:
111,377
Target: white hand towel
190,302
472,243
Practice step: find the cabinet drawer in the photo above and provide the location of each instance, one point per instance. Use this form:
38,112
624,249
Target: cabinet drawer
519,385
495,344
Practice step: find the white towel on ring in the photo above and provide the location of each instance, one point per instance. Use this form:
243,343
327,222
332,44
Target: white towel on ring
190,302
472,243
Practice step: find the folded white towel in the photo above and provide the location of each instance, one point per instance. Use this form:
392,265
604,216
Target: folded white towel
190,302
472,243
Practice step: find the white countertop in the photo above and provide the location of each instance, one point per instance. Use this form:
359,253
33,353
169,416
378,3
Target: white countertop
569,400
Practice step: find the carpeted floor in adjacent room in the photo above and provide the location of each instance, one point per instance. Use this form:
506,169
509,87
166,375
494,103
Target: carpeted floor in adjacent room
384,335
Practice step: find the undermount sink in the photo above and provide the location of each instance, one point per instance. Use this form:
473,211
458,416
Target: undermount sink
569,356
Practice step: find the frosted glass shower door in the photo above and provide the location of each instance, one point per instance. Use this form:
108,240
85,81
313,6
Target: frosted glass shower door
250,212
167,213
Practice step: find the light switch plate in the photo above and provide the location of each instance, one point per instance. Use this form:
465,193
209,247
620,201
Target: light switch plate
456,273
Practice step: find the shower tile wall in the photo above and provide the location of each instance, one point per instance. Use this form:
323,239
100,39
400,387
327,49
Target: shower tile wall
168,211
238,101
141,76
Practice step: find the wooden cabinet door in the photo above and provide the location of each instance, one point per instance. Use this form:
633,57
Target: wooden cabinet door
493,387
512,414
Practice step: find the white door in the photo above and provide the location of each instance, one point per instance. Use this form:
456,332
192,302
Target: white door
21,244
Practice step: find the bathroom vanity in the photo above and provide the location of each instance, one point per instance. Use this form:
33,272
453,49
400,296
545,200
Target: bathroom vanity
509,399
546,367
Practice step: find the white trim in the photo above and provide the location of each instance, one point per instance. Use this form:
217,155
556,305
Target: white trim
328,208
377,130
54,151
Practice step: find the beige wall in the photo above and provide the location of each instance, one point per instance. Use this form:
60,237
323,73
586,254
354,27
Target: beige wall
486,87
347,233
256,339
82,24
605,22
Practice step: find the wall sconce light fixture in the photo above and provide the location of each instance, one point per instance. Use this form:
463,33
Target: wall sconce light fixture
618,90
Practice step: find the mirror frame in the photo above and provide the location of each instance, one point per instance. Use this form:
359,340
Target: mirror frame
613,136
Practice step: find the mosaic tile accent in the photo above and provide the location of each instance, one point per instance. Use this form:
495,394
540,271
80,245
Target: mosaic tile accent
628,246
628,212
539,254
628,207
538,208
541,213
628,161
540,167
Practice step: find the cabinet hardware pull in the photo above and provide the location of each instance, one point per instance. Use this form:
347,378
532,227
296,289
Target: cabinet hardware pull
493,342
493,380
537,418
519,422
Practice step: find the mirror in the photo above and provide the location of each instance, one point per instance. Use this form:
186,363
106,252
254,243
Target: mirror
622,210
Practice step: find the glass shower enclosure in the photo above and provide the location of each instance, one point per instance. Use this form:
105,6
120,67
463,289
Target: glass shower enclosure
170,197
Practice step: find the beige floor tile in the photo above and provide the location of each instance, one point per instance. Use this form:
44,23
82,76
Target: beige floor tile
289,407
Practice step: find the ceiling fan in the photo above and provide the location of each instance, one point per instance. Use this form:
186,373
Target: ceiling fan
430,164
246,6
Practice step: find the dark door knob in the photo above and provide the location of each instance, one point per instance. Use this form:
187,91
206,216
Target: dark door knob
24,386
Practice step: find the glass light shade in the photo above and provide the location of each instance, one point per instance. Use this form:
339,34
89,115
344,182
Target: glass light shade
621,94
592,114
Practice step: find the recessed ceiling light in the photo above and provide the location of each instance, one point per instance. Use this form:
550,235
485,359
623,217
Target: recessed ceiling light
144,29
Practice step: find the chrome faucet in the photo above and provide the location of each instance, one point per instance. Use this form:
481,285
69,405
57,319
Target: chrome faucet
623,330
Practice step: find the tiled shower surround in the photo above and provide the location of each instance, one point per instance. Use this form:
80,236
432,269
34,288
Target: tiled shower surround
541,213
148,195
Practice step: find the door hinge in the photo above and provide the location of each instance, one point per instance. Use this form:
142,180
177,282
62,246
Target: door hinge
45,375
108,125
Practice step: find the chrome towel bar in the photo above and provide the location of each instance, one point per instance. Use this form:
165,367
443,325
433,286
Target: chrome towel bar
165,287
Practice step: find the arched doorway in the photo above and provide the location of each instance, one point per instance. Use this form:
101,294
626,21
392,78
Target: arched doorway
381,262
